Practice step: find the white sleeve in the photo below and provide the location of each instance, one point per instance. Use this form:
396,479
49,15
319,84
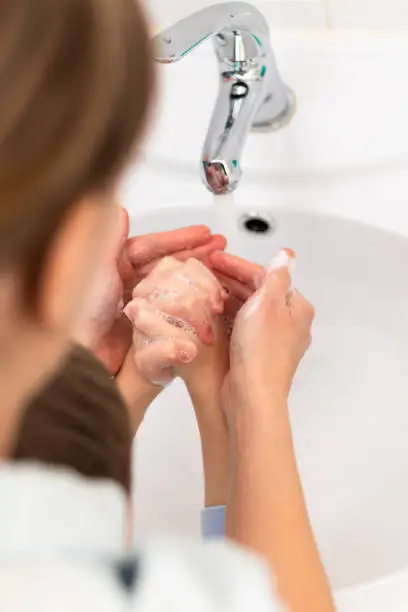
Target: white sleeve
211,577
172,577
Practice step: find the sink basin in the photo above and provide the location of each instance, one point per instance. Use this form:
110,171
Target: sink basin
335,185
348,404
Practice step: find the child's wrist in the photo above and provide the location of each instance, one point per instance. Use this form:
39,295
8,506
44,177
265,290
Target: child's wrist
210,416
137,392
214,438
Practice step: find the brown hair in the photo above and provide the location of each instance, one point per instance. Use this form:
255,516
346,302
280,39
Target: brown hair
75,83
80,422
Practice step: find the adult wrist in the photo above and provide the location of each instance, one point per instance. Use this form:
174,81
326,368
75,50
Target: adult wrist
247,381
254,416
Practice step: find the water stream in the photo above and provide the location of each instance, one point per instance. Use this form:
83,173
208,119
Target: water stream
228,222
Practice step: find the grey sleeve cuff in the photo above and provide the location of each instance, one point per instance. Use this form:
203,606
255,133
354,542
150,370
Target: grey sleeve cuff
213,522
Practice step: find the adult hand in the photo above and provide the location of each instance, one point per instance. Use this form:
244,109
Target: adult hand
240,278
272,331
105,330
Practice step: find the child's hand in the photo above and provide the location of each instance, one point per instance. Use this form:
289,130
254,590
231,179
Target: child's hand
173,316
176,314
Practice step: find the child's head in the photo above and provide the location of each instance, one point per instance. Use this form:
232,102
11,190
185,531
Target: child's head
75,86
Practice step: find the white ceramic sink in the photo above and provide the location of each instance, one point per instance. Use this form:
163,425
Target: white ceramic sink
335,184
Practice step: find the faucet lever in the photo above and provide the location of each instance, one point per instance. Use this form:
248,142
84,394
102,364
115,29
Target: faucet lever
177,41
252,93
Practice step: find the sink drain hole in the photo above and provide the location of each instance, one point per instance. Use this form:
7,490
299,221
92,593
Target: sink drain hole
258,223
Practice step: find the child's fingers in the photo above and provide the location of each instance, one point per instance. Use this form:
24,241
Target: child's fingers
153,323
143,249
192,308
180,297
159,276
197,276
193,271
156,360
189,289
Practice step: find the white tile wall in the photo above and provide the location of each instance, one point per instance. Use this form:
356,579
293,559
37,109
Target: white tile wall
294,13
280,13
350,14
378,14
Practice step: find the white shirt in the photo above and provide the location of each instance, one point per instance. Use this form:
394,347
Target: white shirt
61,550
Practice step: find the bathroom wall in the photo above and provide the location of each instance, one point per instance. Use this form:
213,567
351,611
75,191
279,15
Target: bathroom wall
367,14
375,14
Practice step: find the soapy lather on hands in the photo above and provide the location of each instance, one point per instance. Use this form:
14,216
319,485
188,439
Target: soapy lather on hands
172,314
178,307
105,330
143,266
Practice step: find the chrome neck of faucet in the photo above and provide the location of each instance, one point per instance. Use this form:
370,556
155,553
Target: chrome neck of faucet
251,95
179,40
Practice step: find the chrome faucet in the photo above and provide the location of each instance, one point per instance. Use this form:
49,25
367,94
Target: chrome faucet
252,93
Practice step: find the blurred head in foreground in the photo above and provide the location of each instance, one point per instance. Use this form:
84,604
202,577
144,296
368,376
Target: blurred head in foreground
75,86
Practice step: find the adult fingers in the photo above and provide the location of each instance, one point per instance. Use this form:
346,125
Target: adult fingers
276,286
144,249
113,350
234,288
232,307
278,279
218,242
235,267
301,307
201,253
111,265
121,223
124,224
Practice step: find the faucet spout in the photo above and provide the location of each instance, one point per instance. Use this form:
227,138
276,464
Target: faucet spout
251,94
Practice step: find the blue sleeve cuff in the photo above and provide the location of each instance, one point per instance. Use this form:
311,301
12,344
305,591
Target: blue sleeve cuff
213,522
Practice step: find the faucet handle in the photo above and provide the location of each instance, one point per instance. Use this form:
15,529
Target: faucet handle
174,43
